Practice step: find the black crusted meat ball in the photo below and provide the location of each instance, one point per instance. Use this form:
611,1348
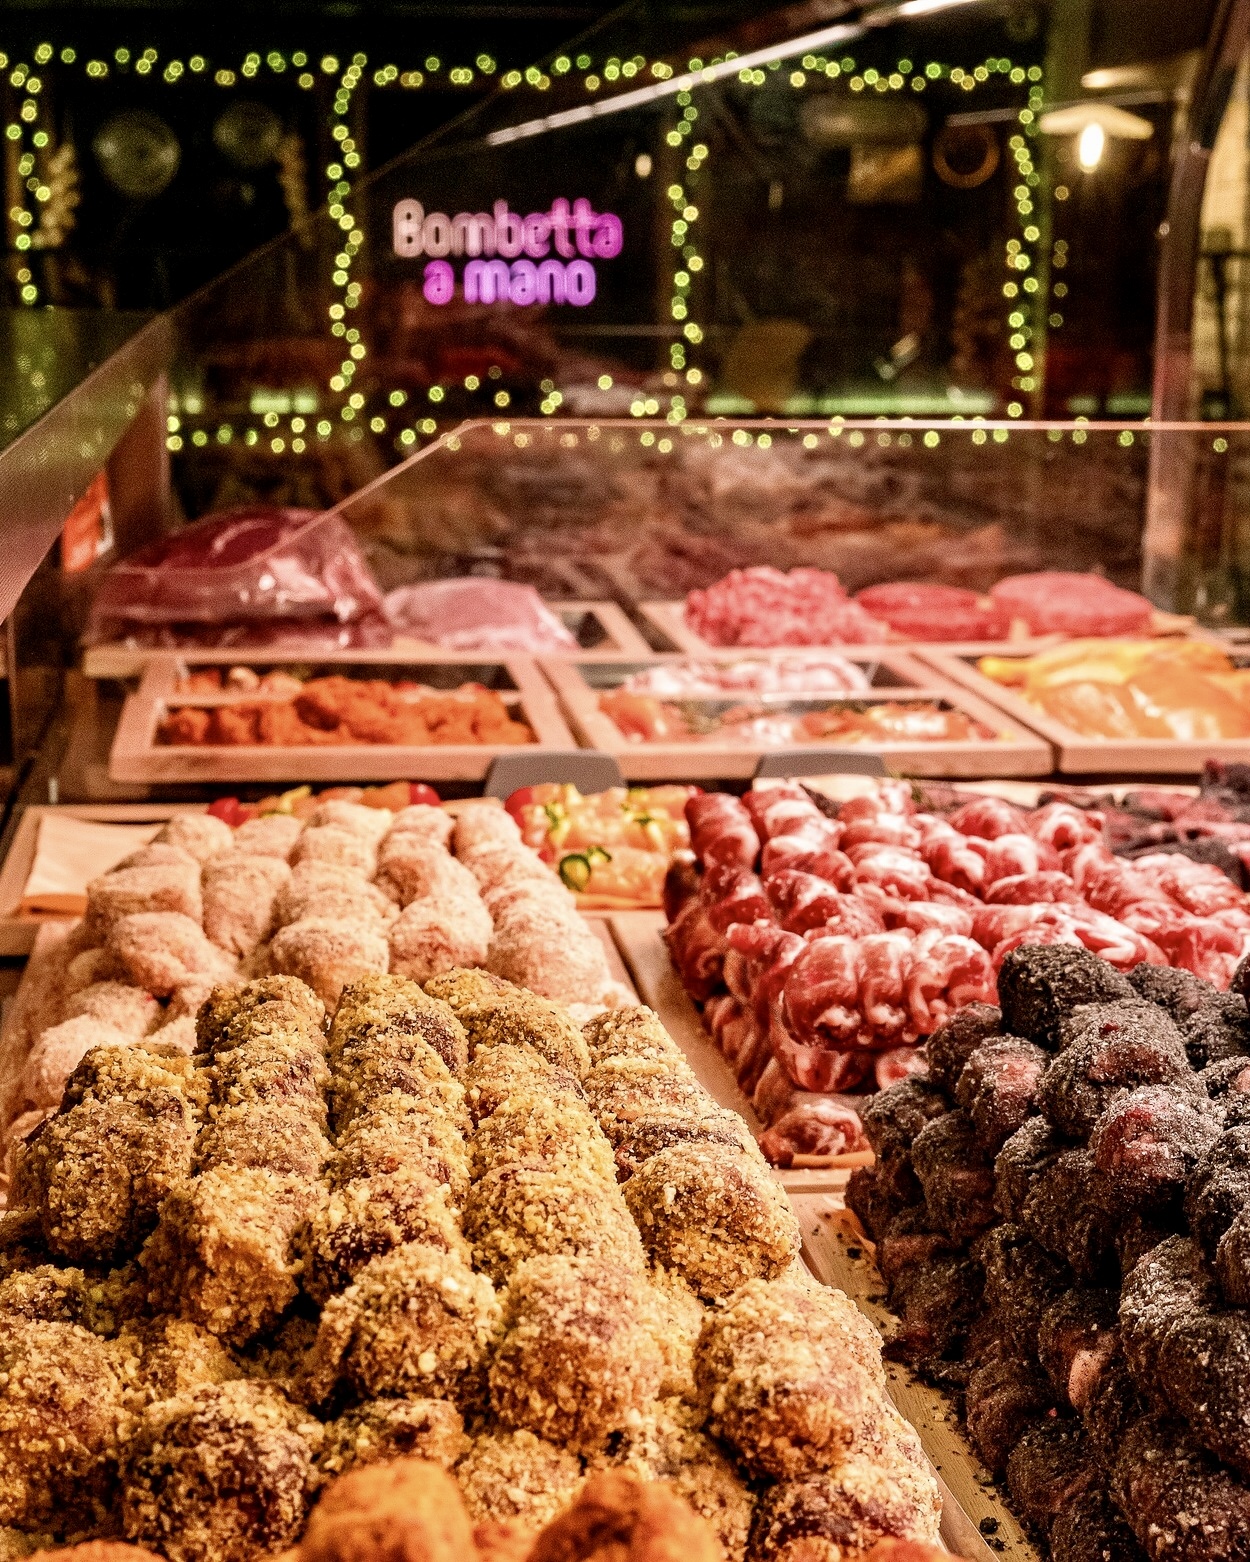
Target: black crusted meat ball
951,1045
1180,993
938,1303
1219,1188
1220,1029
998,1088
1021,1280
1020,1162
1039,984
1066,1212
892,1118
1147,1143
1228,1085
871,1199
956,1176
1004,1398
1092,1529
1082,1081
1050,1468
1125,1016
1076,1337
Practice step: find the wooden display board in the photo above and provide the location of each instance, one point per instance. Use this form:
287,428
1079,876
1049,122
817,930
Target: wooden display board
601,629
1075,754
138,756
893,674
838,1254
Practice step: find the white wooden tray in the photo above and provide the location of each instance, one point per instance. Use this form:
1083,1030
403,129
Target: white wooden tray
137,755
894,674
601,628
1075,754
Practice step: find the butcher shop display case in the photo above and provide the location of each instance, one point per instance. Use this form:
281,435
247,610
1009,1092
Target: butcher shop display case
801,296
909,552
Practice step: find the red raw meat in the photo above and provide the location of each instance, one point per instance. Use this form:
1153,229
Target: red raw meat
1028,889
808,834
471,613
255,562
921,915
1119,944
813,1125
885,964
762,606
884,829
1037,933
732,895
919,612
834,866
1196,886
988,818
721,830
1054,601
1011,855
758,801
785,814
802,903
992,925
822,1004
947,973
896,871
954,858
890,797
697,951
1062,826
817,1067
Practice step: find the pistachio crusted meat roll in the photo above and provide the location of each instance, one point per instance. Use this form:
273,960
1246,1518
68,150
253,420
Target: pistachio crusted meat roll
416,1320
576,1361
394,1005
494,1012
522,1210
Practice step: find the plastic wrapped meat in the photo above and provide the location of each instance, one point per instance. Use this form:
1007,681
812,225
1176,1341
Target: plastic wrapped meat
252,563
471,614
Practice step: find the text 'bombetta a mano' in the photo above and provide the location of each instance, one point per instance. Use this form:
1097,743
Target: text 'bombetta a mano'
512,255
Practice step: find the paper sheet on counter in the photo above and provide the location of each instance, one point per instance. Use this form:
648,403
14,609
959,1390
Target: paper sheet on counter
69,853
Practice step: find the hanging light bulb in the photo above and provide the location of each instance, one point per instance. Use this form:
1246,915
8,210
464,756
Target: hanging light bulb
1090,146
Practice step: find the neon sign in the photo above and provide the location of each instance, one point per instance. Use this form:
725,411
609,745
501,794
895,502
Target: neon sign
511,258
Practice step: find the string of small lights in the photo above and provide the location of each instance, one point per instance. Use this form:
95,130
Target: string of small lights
291,425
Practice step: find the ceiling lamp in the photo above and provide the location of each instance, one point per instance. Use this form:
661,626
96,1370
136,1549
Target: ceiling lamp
1094,124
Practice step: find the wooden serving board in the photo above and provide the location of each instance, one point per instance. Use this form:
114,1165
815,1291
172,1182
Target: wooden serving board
138,756
838,1254
637,934
1075,754
609,631
894,675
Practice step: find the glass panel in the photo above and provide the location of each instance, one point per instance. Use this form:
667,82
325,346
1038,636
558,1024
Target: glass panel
641,510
